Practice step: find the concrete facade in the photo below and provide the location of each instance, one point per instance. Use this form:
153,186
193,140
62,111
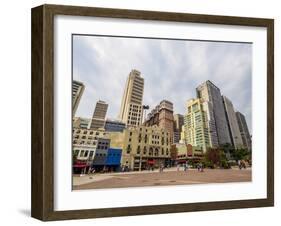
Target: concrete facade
131,111
98,119
145,147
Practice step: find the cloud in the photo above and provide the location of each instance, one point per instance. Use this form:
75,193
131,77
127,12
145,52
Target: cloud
172,69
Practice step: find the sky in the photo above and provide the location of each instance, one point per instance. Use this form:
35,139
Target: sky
172,69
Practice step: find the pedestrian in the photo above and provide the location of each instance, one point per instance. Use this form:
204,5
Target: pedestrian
202,168
178,167
184,167
198,167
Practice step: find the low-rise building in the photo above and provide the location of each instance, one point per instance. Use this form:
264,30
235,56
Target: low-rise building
146,147
114,126
188,153
82,123
113,159
99,160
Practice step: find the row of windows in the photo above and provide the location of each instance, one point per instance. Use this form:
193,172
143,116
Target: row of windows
83,153
84,142
88,132
85,137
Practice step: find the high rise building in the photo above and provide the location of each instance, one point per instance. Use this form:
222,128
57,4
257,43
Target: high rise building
210,93
162,116
131,106
234,131
98,119
196,128
244,131
178,123
77,91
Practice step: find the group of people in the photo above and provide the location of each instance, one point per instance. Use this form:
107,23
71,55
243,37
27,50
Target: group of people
200,167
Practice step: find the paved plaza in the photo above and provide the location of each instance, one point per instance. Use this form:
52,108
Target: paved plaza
155,178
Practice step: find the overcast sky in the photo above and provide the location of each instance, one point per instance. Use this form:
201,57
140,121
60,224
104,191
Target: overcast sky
172,69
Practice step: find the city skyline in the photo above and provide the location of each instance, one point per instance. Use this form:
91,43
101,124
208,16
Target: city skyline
165,66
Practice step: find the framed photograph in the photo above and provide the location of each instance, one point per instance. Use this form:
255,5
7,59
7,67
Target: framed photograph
142,112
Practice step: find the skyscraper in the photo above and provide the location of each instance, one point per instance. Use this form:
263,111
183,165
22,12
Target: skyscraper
162,116
77,91
210,93
234,131
178,123
244,131
196,128
98,119
131,106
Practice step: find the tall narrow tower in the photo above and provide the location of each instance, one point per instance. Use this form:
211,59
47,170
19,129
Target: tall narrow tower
210,93
98,119
131,106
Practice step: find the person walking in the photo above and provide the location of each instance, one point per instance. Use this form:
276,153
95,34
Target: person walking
178,167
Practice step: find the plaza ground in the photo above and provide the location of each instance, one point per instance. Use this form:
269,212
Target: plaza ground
155,178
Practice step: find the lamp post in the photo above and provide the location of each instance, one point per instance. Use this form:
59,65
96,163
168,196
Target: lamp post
144,107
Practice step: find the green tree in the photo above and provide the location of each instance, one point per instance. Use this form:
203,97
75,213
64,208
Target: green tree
215,158
241,154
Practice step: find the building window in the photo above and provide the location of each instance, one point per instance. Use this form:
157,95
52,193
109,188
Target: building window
144,150
129,149
82,153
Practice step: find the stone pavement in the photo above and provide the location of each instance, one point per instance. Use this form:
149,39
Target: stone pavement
154,178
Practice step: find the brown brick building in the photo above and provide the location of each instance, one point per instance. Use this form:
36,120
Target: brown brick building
162,116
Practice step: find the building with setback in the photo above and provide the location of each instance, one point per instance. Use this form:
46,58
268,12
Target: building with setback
162,116
131,106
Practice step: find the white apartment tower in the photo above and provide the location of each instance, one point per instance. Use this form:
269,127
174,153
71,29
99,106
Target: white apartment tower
131,106
234,131
98,119
196,129
208,92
